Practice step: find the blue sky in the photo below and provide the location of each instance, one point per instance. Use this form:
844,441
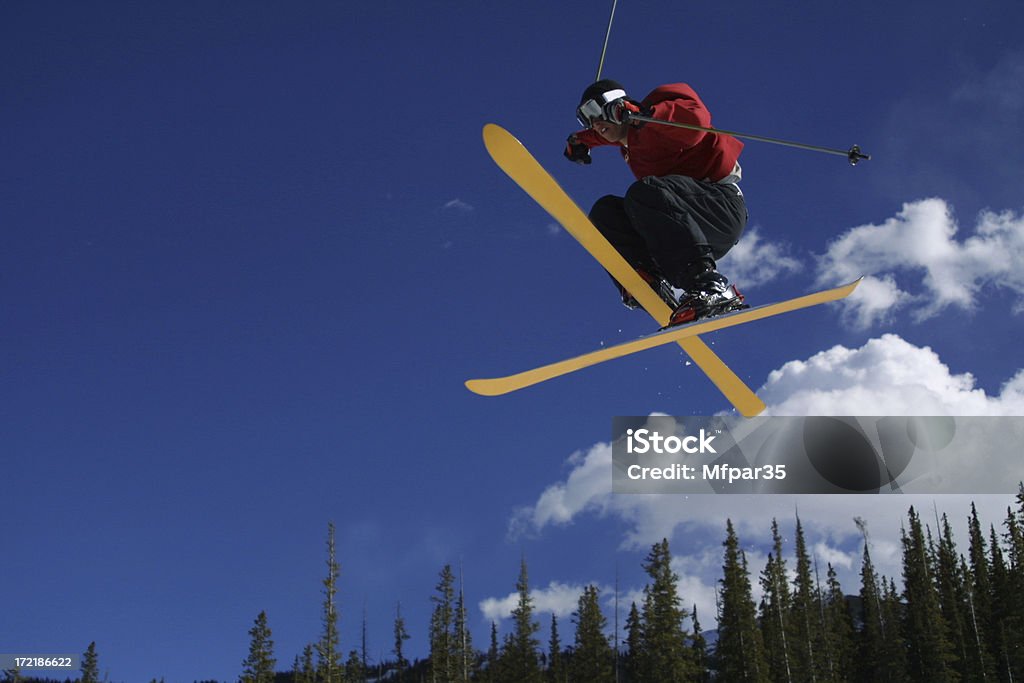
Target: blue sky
251,252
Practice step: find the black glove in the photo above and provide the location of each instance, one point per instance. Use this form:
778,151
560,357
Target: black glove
576,151
620,110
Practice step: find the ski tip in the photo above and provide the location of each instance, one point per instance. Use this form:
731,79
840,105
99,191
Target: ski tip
494,134
482,387
492,130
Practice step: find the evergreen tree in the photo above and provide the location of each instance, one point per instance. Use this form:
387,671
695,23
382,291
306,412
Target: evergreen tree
442,626
775,608
666,657
258,667
740,653
953,600
634,644
303,670
977,665
519,658
699,650
929,652
463,654
592,658
401,635
804,617
329,668
894,647
90,665
979,600
1001,630
355,668
492,673
837,627
1013,595
557,669
872,640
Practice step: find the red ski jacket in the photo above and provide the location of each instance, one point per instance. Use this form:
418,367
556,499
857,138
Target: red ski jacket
653,149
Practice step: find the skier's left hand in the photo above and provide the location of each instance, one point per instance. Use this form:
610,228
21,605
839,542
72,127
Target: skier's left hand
576,151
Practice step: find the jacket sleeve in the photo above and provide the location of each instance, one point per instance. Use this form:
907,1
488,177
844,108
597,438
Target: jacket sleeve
592,139
680,110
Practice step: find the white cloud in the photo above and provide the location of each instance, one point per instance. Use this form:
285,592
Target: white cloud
754,262
917,249
886,376
839,559
584,489
560,599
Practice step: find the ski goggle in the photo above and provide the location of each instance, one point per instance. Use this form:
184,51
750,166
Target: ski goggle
593,109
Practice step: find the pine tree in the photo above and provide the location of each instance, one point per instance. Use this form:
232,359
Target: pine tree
894,648
592,658
952,599
355,668
804,617
666,657
492,674
872,664
90,665
634,644
303,670
442,624
837,628
258,667
401,635
1004,626
557,670
329,667
929,652
775,607
699,650
1014,595
520,660
979,600
463,654
740,653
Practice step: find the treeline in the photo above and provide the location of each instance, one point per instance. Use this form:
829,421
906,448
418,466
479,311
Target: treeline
955,615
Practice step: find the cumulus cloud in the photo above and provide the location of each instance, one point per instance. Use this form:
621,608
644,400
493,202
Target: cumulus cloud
885,376
560,599
915,259
755,261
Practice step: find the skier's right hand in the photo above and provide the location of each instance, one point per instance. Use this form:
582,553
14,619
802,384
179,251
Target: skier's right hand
576,151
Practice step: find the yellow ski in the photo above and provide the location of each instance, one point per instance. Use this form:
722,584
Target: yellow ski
504,385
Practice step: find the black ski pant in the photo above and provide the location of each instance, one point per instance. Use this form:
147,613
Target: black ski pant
673,225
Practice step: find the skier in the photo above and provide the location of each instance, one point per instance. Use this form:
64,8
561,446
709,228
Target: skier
686,209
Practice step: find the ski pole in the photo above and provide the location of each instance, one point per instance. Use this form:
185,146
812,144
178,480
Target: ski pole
607,34
853,154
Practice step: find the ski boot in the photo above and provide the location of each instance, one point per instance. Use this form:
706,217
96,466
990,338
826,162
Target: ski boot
658,283
710,296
